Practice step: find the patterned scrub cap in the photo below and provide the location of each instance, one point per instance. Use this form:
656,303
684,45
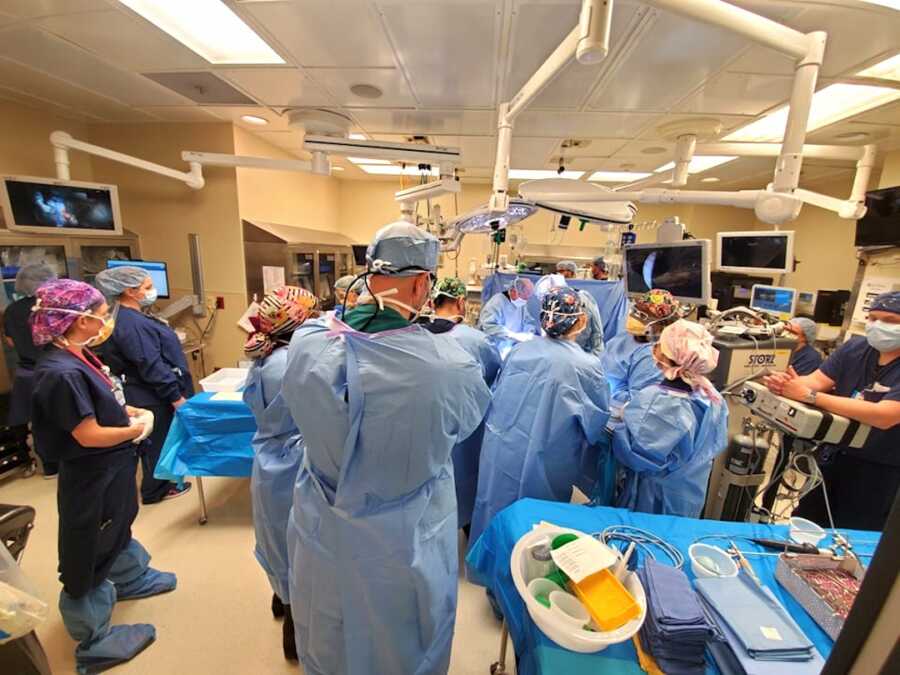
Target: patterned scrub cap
52,314
560,310
451,287
281,312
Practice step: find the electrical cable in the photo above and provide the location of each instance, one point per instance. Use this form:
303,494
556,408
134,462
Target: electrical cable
642,539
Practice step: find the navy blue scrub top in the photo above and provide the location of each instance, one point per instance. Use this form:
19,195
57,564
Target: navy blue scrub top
16,326
67,391
856,373
806,360
147,355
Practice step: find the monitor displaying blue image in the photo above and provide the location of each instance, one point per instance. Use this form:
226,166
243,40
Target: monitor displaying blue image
157,270
776,300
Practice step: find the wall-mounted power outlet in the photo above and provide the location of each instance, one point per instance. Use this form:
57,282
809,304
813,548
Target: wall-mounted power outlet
220,302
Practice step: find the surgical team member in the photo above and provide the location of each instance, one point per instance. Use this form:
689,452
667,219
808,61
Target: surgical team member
372,537
449,311
80,413
346,293
147,355
18,336
591,338
599,269
860,380
805,359
628,358
545,430
277,443
671,432
505,317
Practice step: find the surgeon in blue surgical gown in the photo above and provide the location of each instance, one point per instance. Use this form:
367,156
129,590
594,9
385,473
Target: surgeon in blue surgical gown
591,338
545,431
372,537
671,432
505,317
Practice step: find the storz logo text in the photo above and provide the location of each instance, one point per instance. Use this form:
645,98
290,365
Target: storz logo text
761,360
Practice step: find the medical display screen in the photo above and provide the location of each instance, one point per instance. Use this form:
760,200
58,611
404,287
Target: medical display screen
158,271
45,205
681,270
773,299
765,252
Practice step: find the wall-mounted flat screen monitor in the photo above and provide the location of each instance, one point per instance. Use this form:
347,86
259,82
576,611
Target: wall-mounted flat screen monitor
47,205
881,224
776,300
682,268
758,252
359,254
157,270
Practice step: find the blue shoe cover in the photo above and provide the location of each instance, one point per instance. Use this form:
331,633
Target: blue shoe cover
120,644
151,582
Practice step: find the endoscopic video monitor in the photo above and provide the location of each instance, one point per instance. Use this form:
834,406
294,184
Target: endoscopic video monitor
47,205
682,268
776,300
157,270
757,252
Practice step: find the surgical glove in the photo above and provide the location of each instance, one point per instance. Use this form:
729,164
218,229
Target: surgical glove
146,418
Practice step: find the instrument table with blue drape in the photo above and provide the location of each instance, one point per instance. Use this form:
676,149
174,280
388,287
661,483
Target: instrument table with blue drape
209,436
488,565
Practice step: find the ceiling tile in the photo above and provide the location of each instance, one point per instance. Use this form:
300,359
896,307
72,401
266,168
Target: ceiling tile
740,94
447,122
63,60
279,87
20,78
337,81
124,39
475,150
537,29
675,55
347,33
887,114
28,9
180,113
531,153
580,125
430,35
729,122
200,87
44,106
233,114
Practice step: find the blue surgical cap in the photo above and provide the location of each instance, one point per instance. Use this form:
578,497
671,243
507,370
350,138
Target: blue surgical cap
547,282
808,326
402,249
887,302
32,275
567,266
114,281
600,262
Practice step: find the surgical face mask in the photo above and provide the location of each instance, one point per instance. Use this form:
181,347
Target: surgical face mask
883,336
106,330
150,296
519,302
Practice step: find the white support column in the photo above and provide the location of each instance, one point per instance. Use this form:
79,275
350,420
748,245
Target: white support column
594,23
790,161
863,172
559,59
61,159
684,153
499,200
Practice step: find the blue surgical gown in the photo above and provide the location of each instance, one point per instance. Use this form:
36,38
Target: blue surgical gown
591,338
372,535
500,318
666,441
277,453
545,430
629,367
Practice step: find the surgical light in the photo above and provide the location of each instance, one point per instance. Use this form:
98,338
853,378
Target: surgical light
700,163
207,27
617,176
482,220
829,105
534,174
889,69
394,170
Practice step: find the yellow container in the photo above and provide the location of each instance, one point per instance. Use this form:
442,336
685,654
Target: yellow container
608,602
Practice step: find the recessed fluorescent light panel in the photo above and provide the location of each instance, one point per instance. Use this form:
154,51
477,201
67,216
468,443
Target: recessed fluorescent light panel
357,137
366,160
617,176
207,27
829,105
890,4
537,174
255,119
394,170
889,69
700,163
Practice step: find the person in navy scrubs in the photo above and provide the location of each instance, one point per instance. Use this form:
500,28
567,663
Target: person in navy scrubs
805,359
861,381
80,416
147,355
17,332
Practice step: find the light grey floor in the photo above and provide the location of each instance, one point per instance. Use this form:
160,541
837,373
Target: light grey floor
218,620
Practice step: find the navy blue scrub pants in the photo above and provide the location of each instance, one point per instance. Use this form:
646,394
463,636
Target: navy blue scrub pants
153,489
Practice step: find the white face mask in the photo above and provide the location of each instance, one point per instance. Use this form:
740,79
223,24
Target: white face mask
519,302
883,336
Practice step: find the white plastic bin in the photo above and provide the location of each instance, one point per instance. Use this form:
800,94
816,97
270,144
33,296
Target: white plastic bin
225,379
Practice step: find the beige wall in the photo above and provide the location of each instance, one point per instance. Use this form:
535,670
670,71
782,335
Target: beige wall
25,142
163,211
283,197
890,174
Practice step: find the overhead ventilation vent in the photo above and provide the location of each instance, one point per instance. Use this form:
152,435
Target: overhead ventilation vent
201,87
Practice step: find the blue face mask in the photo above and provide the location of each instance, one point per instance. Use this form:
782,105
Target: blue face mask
149,297
883,336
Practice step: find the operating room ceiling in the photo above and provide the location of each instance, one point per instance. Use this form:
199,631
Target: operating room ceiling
442,66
